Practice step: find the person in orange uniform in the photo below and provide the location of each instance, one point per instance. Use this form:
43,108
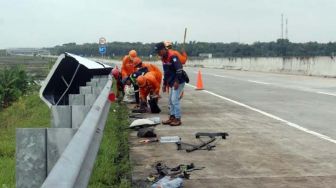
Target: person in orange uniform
149,85
127,68
147,67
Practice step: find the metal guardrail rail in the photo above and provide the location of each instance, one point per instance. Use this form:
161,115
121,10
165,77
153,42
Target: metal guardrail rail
74,167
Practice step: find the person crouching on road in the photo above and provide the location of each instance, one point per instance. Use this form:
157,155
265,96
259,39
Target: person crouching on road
174,79
149,85
147,67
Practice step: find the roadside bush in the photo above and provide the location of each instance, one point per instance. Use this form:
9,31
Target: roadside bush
14,82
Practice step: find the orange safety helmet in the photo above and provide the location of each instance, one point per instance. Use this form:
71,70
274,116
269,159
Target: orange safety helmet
137,61
115,72
132,54
141,80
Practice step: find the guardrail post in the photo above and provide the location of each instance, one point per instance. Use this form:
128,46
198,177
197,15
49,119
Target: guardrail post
76,99
31,162
61,116
57,141
85,90
79,113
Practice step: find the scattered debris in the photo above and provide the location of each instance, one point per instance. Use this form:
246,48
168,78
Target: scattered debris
129,94
147,132
155,119
136,116
168,182
149,140
203,145
169,139
142,123
171,177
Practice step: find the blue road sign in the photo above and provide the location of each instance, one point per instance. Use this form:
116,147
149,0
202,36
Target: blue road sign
102,50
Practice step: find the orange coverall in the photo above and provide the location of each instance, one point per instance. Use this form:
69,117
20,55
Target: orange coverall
127,67
154,70
152,86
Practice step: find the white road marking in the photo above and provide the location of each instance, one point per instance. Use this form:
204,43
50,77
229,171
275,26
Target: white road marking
273,84
326,93
259,82
324,137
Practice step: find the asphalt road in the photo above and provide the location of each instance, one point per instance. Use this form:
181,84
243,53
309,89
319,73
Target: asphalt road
280,126
309,102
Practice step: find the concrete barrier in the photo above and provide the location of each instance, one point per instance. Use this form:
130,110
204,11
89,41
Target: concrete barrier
317,66
324,66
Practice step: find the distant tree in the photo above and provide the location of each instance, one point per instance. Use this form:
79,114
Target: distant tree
278,48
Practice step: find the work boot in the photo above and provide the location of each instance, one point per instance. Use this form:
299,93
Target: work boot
176,122
169,121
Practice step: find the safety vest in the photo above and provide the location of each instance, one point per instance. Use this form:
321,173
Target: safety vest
183,57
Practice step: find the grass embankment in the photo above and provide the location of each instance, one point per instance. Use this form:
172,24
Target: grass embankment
112,167
28,112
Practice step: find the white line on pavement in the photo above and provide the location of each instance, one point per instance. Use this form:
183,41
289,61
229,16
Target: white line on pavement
326,93
273,84
259,82
271,116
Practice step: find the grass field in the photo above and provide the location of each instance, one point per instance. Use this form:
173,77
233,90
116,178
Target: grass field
28,112
38,67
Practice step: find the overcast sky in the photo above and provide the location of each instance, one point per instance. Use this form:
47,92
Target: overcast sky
46,23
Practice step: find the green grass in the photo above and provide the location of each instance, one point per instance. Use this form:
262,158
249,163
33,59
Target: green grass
112,167
28,112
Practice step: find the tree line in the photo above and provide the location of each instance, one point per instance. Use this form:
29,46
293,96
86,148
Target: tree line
279,48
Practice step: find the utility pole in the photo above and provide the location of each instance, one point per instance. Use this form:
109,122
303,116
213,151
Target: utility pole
282,26
287,28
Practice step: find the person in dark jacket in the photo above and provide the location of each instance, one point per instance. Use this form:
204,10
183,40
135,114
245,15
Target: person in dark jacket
174,79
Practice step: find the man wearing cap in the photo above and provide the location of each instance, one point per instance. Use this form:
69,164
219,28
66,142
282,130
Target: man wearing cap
174,79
